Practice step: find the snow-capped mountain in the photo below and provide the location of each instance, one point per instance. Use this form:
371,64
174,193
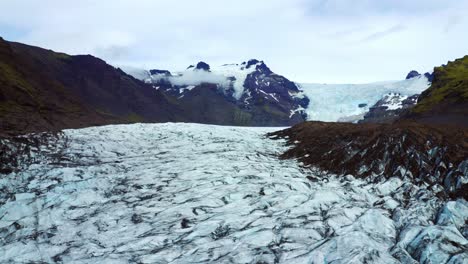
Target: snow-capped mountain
243,82
253,83
251,86
351,102
250,81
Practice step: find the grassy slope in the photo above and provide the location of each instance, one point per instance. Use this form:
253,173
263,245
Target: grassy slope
24,105
446,101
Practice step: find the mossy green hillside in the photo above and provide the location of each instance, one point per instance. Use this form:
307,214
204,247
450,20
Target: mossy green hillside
450,85
9,76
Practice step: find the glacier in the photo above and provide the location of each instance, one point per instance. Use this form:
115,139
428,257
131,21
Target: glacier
191,193
340,102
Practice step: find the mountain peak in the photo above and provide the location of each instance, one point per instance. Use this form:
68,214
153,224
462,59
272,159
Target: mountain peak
412,74
160,72
252,62
202,66
260,66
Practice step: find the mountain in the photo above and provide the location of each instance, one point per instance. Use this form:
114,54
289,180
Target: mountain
44,90
251,89
412,74
446,101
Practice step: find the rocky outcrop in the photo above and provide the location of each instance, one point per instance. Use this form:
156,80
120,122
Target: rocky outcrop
429,76
264,85
412,74
202,66
160,72
389,108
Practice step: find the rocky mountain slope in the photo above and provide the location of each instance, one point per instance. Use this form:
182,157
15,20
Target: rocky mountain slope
46,90
389,108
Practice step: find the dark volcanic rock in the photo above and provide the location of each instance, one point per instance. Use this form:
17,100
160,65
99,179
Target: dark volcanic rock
412,151
263,85
362,105
389,108
429,76
251,62
412,74
260,66
19,152
209,105
202,66
160,72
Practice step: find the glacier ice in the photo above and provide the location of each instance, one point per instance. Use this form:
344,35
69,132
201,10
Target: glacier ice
349,102
187,193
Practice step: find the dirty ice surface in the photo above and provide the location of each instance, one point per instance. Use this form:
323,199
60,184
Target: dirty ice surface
189,193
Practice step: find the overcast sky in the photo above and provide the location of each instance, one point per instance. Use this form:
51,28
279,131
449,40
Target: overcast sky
334,41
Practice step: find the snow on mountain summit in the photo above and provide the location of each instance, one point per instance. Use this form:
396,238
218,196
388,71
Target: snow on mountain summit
227,76
237,74
249,84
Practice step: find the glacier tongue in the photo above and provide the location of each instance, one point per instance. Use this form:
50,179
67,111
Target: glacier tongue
187,193
349,102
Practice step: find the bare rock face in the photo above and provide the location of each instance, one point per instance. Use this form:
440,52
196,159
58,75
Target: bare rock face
202,66
389,108
412,74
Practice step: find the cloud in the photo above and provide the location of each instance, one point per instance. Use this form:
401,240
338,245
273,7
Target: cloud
305,40
384,33
452,21
197,77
